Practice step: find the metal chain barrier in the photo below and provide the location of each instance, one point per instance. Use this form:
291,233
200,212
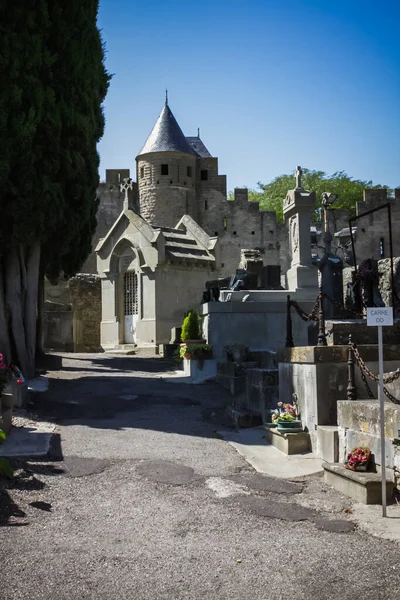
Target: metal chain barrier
365,371
312,316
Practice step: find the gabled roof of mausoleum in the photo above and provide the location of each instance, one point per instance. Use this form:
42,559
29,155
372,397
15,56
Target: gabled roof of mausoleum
180,245
166,135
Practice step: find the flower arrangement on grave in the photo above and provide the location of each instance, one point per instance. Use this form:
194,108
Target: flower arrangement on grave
358,459
285,412
5,374
8,373
286,417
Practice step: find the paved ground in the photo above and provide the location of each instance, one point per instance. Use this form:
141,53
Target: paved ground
149,503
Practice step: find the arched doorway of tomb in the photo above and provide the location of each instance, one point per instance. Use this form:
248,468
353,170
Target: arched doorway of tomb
131,305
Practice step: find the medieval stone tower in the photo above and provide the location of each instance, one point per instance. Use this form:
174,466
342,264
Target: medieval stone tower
172,171
177,175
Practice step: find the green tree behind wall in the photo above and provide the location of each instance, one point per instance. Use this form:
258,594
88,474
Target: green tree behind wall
350,191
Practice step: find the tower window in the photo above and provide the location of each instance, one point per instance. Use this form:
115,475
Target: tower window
204,175
215,232
252,233
141,172
225,223
189,171
205,205
164,169
234,232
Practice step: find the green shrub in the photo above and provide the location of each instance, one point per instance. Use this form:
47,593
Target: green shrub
191,327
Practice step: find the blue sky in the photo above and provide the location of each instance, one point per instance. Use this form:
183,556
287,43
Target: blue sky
271,83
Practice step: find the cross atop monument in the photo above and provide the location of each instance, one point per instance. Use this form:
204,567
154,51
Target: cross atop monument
125,187
299,174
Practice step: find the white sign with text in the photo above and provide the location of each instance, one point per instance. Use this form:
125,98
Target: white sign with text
380,316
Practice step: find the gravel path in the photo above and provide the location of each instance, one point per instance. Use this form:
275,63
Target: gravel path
149,504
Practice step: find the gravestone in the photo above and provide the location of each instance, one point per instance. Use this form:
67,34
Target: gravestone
298,207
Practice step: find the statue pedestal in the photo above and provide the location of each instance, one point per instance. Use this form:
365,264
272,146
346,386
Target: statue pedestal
302,277
297,209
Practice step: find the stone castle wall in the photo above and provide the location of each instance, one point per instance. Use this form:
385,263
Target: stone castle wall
85,293
372,238
239,224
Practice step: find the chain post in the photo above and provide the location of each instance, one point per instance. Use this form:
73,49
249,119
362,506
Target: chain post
321,340
351,384
289,329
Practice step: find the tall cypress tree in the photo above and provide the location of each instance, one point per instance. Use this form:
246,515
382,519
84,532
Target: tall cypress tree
52,64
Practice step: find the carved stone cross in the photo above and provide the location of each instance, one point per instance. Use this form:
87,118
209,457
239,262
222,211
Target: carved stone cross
299,173
126,186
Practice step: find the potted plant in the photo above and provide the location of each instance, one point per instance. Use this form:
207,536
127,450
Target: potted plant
195,351
285,417
191,328
199,352
358,459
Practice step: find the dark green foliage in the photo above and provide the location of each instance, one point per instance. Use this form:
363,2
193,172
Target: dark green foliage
54,83
191,327
350,191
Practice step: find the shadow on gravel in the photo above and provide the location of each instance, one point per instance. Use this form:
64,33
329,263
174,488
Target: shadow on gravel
9,511
102,395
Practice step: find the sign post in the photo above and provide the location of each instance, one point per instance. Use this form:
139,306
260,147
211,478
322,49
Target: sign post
381,317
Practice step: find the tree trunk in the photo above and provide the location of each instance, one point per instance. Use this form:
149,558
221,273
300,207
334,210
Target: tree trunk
31,303
14,306
20,280
40,324
5,348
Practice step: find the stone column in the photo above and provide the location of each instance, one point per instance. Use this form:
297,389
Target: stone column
297,209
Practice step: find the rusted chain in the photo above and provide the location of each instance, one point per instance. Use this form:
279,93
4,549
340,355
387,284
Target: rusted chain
312,316
390,379
364,370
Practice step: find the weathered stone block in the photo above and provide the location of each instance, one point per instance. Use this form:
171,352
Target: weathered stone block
363,416
199,372
243,419
362,487
86,302
289,443
361,334
328,443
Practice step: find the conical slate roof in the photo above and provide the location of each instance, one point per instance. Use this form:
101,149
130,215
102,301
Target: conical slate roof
166,135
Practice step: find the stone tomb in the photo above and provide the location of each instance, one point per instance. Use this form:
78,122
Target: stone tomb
359,425
318,375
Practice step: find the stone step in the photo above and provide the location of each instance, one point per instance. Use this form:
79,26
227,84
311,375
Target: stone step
266,358
289,443
361,334
262,391
362,487
132,349
232,376
242,418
